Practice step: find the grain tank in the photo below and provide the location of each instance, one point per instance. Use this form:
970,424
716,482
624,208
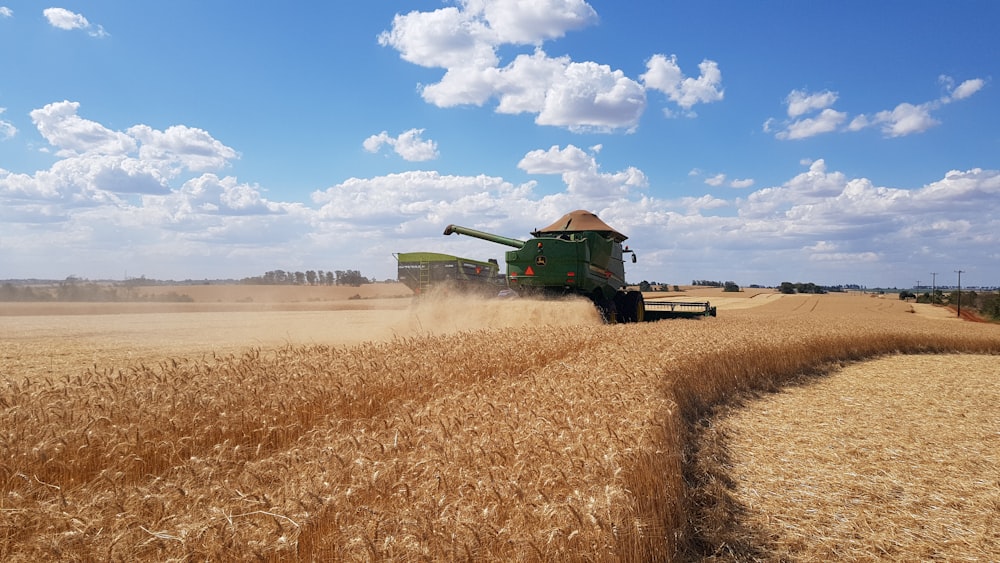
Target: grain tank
578,254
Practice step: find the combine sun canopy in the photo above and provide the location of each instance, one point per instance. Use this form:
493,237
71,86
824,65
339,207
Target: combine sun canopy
579,221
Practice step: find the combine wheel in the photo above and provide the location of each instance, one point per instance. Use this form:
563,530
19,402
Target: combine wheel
631,307
638,305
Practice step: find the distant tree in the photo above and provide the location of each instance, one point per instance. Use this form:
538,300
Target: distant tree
311,277
731,286
787,288
351,278
330,278
645,286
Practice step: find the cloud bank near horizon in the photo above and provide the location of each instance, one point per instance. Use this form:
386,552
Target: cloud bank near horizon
158,202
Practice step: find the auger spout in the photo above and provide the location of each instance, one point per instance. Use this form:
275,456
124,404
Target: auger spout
450,229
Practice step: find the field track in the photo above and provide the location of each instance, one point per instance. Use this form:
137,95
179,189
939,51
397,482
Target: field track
463,429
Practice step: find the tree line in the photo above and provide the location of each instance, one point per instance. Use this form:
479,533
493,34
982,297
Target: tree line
309,277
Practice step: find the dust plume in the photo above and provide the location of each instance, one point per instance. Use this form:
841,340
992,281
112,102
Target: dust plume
446,312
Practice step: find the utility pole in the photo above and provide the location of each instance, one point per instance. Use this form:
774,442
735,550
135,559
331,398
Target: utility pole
959,272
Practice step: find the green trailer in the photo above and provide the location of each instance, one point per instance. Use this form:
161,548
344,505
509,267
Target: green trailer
420,271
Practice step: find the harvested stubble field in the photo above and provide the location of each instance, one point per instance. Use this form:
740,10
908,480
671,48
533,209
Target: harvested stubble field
458,429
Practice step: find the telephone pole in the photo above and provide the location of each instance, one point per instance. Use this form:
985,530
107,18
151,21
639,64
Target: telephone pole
959,272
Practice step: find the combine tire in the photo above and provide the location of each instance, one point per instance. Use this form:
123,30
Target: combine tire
631,307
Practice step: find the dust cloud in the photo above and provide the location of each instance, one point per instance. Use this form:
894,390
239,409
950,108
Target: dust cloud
442,313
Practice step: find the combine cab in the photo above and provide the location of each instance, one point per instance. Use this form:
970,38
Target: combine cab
580,254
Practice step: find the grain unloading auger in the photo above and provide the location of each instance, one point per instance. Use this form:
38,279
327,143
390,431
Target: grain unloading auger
580,254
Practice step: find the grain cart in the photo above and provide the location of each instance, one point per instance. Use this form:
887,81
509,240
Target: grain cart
580,254
421,271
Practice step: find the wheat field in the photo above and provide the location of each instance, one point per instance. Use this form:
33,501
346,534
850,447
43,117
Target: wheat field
896,458
470,430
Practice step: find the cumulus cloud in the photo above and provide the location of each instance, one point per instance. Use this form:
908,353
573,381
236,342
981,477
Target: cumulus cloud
71,135
665,75
98,165
62,18
582,174
905,119
800,102
578,95
6,12
409,144
106,204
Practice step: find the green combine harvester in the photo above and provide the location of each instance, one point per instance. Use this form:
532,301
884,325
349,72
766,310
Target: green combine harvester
581,255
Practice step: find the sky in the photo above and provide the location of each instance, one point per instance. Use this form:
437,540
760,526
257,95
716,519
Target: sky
847,142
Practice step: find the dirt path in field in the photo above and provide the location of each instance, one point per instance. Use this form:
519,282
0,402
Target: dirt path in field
897,458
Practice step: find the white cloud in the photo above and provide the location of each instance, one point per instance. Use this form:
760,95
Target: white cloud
533,21
99,209
801,102
665,75
181,148
7,129
582,174
59,124
905,119
964,90
6,12
409,144
98,164
968,88
62,18
592,96
580,96
827,121
716,180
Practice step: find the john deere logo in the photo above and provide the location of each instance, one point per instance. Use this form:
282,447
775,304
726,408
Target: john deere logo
539,260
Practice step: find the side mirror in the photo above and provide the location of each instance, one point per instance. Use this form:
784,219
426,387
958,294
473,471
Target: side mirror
633,257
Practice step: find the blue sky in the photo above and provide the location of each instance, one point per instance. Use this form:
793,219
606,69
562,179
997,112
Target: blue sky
758,142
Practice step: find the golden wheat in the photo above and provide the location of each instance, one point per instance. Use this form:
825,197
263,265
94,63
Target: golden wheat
564,441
